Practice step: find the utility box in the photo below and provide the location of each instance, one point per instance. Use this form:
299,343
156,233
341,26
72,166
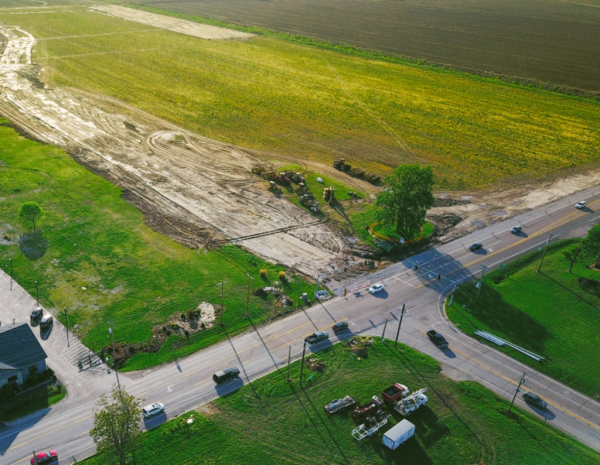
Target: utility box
398,434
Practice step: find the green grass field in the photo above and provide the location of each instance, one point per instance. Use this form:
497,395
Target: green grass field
272,421
548,313
284,97
94,256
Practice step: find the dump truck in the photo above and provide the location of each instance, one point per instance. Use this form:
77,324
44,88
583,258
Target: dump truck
394,392
341,165
338,405
400,433
328,194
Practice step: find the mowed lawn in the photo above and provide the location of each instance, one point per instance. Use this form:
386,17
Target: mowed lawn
549,313
272,421
94,256
270,94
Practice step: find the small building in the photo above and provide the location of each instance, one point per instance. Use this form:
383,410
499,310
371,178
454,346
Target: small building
20,354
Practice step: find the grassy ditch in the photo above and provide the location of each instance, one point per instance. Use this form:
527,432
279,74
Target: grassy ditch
272,421
306,102
554,314
94,256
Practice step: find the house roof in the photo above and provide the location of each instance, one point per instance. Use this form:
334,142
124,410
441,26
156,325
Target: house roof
19,347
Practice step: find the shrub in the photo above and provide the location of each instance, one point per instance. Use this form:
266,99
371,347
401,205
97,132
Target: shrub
282,276
183,316
202,325
187,333
263,273
191,314
7,391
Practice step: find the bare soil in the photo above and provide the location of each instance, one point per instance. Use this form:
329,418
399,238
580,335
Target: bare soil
189,187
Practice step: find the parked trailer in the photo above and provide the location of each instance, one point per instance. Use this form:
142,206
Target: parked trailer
398,434
371,426
412,402
339,404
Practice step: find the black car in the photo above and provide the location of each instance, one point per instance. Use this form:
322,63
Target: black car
516,229
476,246
341,326
439,340
535,400
226,374
36,314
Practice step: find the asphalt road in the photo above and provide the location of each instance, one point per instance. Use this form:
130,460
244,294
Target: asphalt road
188,384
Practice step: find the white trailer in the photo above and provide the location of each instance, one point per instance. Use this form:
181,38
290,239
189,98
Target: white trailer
398,434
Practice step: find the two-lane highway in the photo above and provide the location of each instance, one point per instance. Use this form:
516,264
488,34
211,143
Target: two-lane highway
187,384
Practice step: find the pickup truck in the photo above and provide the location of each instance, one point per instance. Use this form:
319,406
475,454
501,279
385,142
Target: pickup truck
394,392
437,339
319,336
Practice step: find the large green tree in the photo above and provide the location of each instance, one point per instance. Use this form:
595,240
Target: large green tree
116,428
30,212
407,196
591,244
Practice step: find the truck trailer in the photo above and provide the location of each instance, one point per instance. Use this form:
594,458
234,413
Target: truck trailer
398,434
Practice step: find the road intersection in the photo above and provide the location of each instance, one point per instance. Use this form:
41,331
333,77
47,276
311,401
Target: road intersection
187,384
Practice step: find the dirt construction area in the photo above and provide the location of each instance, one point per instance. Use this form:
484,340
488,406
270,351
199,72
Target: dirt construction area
199,191
193,189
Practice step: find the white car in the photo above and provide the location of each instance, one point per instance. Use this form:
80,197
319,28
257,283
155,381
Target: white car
375,288
580,205
153,409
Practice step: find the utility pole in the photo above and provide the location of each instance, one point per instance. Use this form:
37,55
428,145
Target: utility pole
35,460
37,294
247,295
399,325
517,391
302,364
452,295
175,353
383,333
11,273
67,325
289,360
480,282
222,306
544,254
317,284
112,333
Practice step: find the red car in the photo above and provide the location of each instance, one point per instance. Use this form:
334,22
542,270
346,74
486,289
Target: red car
44,457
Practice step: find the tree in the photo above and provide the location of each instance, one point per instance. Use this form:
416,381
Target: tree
591,244
406,199
117,425
572,254
30,212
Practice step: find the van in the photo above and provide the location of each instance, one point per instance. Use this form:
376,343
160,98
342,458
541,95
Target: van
226,374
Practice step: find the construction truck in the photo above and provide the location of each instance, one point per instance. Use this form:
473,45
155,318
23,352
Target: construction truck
341,165
282,178
411,403
329,194
274,187
269,175
394,392
298,178
373,178
309,201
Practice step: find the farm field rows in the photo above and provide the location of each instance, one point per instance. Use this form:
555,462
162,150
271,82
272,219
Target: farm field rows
550,314
554,42
273,421
280,97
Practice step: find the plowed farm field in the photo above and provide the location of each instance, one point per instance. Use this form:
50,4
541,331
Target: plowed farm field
549,41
